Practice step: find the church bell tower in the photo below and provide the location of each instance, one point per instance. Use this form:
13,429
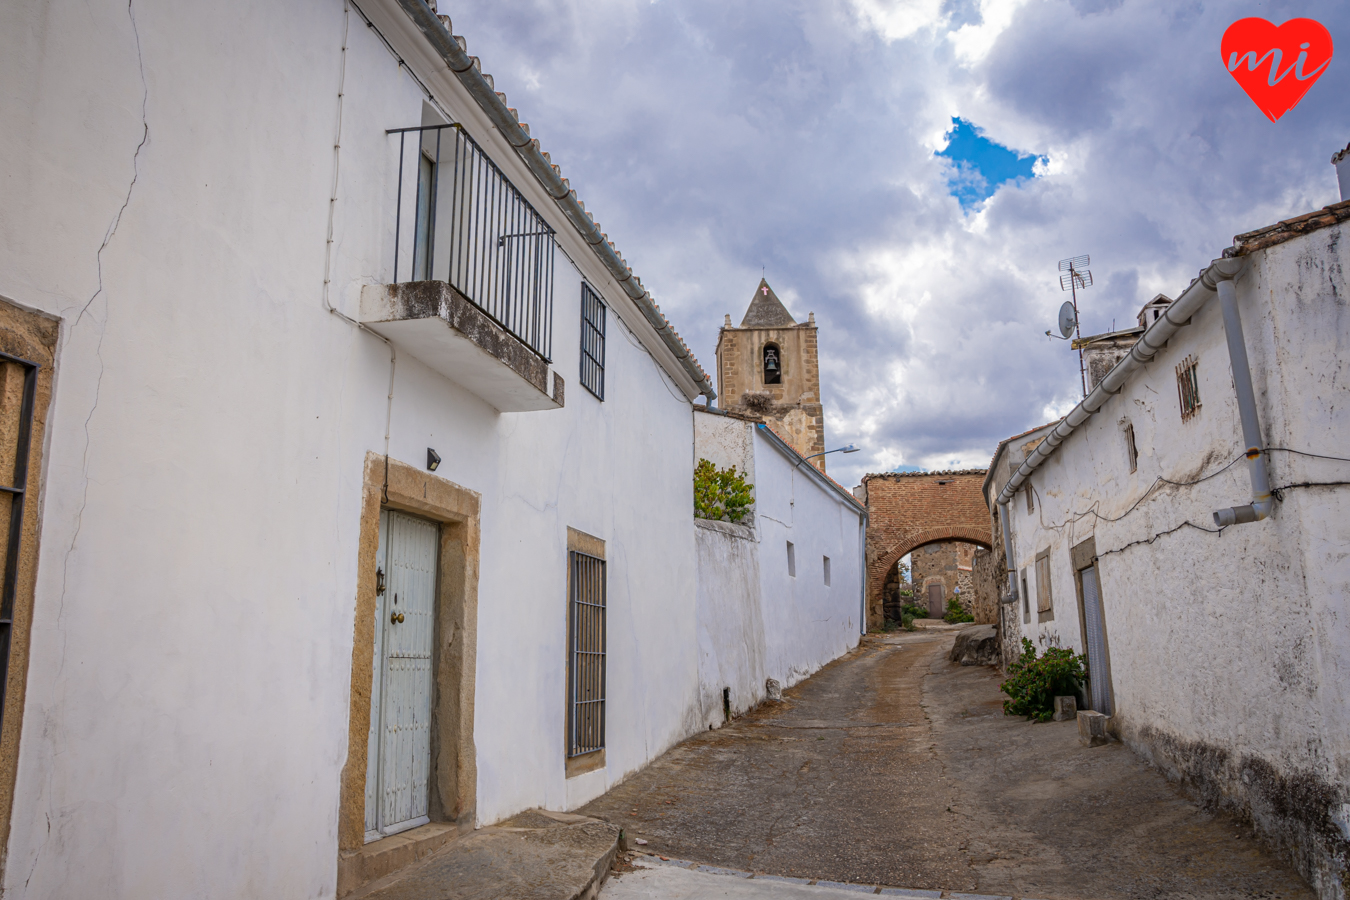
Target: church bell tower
768,367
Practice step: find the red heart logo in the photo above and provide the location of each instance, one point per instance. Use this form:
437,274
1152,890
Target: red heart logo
1276,66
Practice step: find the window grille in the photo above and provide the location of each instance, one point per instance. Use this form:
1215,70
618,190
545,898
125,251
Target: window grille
586,664
22,429
459,220
592,342
1188,388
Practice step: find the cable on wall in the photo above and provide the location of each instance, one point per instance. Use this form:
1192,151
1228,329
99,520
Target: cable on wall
1277,492
328,245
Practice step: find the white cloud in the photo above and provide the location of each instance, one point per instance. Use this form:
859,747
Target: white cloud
973,41
894,20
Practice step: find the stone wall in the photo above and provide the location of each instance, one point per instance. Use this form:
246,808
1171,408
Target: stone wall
986,579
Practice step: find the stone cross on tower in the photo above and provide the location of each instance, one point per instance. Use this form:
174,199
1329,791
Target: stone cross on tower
768,367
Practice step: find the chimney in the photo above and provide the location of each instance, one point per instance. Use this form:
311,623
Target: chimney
1342,163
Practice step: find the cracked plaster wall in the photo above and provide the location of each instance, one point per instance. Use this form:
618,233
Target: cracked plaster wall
189,688
1230,654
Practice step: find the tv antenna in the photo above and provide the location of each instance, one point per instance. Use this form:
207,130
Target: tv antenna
1074,275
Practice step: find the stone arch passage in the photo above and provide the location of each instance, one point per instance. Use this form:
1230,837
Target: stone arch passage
907,510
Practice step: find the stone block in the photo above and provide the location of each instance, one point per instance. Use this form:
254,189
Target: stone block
1066,709
1092,728
773,688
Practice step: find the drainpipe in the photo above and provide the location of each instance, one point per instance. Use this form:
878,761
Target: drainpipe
1008,552
1222,273
862,571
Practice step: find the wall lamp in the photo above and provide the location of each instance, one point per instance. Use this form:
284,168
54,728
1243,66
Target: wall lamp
849,449
433,460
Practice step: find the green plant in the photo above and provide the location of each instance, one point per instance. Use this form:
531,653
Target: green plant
906,621
720,494
913,611
1034,682
955,613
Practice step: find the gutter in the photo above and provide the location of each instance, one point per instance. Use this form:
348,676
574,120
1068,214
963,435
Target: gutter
1216,278
467,70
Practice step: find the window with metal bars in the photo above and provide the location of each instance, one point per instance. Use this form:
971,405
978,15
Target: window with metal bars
586,657
592,342
18,421
1188,388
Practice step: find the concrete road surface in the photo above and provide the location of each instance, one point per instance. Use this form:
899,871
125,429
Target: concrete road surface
894,767
650,881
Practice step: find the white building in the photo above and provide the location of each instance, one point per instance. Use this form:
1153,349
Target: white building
1186,526
254,633
780,593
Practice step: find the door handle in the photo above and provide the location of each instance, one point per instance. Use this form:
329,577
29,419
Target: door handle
396,617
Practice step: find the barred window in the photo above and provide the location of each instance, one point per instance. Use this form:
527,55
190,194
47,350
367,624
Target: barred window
1188,388
586,659
592,342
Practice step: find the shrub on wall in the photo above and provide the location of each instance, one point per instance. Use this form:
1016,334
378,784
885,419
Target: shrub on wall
1034,682
720,494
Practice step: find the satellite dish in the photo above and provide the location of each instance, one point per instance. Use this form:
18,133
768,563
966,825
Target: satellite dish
1068,319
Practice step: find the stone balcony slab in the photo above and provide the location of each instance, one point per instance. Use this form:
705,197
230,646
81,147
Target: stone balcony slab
439,326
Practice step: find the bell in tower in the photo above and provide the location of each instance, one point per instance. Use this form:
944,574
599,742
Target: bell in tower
773,369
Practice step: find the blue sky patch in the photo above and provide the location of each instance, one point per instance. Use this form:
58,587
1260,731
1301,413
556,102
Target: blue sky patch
979,166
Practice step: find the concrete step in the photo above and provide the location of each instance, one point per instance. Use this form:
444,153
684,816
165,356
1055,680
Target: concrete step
537,855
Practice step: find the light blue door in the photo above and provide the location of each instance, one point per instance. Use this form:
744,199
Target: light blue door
398,765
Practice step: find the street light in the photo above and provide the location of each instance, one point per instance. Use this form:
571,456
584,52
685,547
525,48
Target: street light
849,449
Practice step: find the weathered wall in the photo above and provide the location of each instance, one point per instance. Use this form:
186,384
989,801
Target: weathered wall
986,579
191,643
755,620
1230,653
907,510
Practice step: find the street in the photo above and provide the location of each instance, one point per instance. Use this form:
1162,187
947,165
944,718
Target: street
893,768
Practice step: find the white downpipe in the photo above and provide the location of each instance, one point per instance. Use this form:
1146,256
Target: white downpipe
1216,278
1262,501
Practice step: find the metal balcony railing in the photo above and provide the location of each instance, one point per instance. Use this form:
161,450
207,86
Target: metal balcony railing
459,220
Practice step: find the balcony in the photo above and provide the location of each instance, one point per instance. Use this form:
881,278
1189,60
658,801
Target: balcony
472,289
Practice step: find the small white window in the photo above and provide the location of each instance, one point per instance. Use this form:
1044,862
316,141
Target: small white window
792,560
827,571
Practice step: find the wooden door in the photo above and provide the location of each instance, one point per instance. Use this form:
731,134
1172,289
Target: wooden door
399,763
935,601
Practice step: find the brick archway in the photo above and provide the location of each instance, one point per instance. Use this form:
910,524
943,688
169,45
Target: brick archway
908,510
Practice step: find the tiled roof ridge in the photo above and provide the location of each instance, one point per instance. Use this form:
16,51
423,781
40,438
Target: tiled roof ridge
1288,229
468,69
923,474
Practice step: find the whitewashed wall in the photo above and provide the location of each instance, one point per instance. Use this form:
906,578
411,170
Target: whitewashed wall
755,621
189,687
1230,653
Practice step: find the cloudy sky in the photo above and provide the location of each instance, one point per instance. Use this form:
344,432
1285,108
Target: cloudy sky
808,139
